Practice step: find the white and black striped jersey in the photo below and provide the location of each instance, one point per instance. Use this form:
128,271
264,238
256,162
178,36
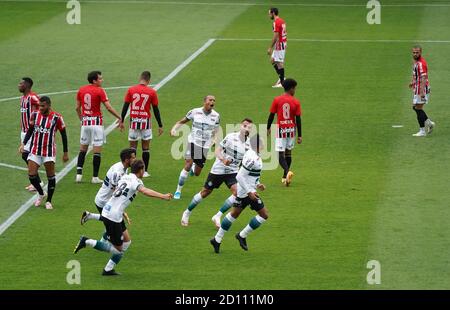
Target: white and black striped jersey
233,148
203,126
109,184
249,173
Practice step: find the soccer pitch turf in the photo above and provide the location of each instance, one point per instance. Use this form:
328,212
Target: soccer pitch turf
363,190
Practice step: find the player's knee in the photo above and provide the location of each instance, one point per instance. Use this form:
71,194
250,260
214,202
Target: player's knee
205,192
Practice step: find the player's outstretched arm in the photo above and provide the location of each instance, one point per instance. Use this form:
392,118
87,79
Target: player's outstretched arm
151,193
177,125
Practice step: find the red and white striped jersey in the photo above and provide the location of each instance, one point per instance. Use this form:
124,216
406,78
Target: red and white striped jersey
141,97
286,107
279,26
43,139
91,98
28,105
420,68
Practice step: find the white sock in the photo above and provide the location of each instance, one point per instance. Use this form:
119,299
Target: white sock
126,245
110,265
91,242
422,129
220,234
183,176
248,229
219,214
93,216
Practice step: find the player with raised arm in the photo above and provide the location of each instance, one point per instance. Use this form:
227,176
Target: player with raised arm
421,90
127,188
277,48
205,124
288,111
89,100
229,154
248,179
42,129
29,103
141,97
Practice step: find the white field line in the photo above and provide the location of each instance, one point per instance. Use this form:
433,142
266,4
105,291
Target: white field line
268,4
340,40
59,176
15,167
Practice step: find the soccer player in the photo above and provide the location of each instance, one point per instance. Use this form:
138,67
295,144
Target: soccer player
248,183
112,215
421,91
89,100
29,103
42,128
127,156
229,154
141,97
288,111
205,124
277,48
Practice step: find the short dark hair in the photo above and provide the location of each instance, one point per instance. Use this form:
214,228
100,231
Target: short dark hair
274,11
126,154
418,46
93,76
46,100
137,166
146,75
247,120
288,84
28,81
255,142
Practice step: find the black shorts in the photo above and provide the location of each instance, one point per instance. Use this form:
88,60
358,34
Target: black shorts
244,202
114,231
215,180
197,154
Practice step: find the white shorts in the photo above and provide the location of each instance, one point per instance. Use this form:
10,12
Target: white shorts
139,134
94,135
28,145
40,159
281,144
418,100
278,55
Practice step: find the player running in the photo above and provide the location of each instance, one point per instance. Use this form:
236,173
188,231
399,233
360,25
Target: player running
277,48
205,124
29,103
114,174
42,129
421,91
89,100
289,112
141,97
229,154
248,183
112,215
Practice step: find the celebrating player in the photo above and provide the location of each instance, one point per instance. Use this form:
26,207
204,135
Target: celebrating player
29,103
205,124
112,215
140,97
89,100
248,183
277,48
229,154
42,128
421,89
288,111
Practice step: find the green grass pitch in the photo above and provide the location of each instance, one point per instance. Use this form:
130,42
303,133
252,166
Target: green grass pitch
363,190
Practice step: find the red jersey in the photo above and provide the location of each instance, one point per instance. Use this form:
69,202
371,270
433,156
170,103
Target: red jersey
420,68
141,98
91,98
43,139
279,26
286,107
28,105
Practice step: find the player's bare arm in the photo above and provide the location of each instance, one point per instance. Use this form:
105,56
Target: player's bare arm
177,125
151,193
423,79
274,41
78,109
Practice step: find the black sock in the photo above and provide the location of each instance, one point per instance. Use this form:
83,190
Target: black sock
275,66
34,179
289,161
421,118
96,162
283,163
80,163
281,74
51,187
146,158
25,157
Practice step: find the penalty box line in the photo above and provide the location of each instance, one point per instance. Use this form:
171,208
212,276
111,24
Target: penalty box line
59,176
